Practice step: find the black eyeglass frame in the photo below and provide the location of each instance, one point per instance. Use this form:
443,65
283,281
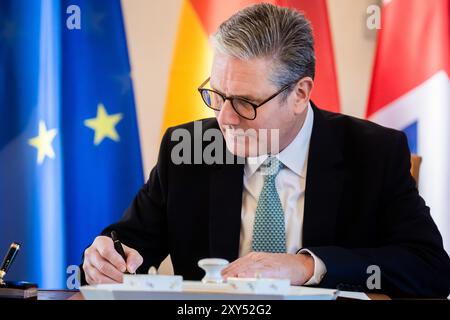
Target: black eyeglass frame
225,98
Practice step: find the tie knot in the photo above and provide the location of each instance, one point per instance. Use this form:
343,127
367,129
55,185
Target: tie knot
272,166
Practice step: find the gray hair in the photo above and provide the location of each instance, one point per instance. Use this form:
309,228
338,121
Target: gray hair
267,31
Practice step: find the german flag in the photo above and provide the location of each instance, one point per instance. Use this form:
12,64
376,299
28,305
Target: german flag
193,56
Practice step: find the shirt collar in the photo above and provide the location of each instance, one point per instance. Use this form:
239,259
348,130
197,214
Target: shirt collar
294,155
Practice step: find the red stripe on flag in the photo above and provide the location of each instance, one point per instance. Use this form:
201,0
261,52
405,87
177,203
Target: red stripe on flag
325,92
413,45
213,12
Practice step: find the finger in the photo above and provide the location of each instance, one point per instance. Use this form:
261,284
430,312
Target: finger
233,268
257,272
240,263
134,259
91,275
106,250
88,279
253,270
250,258
235,264
98,278
105,267
252,266
85,261
86,272
249,266
233,271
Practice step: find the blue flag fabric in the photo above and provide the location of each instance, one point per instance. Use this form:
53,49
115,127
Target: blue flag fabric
70,160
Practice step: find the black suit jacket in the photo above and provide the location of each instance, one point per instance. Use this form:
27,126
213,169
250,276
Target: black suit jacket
362,208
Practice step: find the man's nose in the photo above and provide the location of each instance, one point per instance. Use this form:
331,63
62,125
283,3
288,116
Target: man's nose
228,115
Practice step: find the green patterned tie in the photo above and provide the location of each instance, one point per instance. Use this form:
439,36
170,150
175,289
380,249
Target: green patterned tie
268,229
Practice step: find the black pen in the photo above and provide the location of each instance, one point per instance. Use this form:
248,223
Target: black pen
9,258
118,247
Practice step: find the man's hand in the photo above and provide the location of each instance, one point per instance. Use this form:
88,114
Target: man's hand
297,267
102,263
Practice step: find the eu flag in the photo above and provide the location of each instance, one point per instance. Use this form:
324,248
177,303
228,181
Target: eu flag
70,160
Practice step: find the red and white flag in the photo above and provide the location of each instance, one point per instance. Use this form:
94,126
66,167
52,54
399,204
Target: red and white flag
411,92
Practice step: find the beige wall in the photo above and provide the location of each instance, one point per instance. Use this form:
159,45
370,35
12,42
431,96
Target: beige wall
354,48
151,31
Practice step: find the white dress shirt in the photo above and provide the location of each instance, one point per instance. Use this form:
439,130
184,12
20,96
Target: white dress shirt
290,183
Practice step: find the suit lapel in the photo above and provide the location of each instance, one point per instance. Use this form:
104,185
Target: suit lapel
226,183
324,183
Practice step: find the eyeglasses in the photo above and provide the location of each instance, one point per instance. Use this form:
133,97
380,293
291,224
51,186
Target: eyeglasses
243,107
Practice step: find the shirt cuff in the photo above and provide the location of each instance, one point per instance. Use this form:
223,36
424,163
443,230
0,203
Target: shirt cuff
319,269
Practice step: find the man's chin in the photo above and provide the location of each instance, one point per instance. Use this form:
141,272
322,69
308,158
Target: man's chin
243,150
249,143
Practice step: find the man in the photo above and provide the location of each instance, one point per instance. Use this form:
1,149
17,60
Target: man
327,200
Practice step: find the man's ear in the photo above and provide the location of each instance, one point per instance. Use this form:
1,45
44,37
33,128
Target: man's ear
302,92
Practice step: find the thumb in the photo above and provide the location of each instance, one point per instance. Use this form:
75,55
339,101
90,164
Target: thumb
134,259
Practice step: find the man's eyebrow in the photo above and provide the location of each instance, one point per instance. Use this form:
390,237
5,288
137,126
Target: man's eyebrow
245,97
249,98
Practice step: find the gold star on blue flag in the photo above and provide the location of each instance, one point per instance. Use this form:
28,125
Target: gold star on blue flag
104,125
43,142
